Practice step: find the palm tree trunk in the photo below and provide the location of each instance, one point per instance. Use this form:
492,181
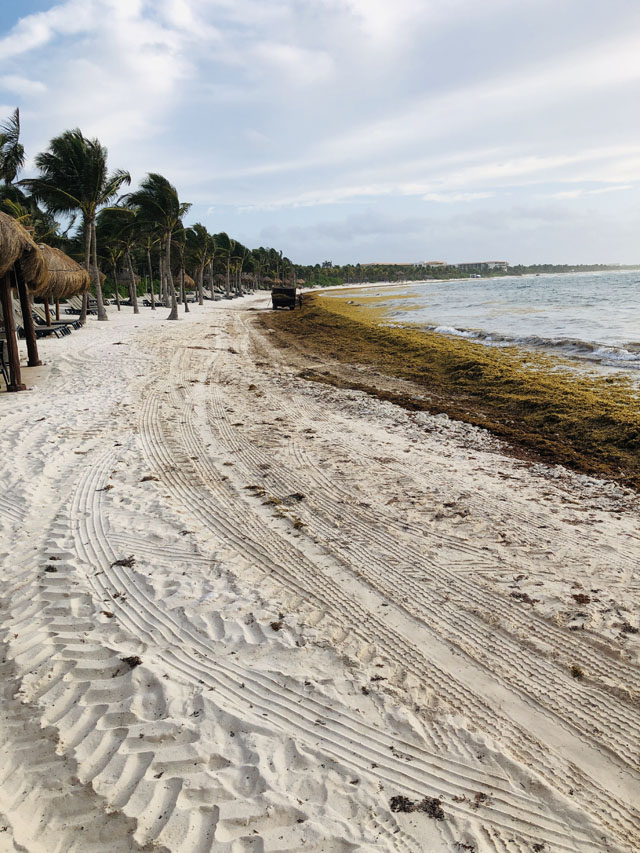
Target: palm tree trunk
200,284
87,265
173,315
162,297
115,282
153,301
102,314
213,295
132,286
183,291
227,284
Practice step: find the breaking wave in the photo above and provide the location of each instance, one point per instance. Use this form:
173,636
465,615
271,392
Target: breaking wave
623,356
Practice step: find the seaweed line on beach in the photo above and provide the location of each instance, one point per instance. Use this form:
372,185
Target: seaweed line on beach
538,404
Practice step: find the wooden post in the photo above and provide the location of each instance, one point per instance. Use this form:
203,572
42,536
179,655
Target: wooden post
27,321
15,379
47,313
57,309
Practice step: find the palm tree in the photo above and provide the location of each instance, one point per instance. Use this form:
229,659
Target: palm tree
119,230
149,237
74,179
12,154
224,247
179,239
158,205
200,249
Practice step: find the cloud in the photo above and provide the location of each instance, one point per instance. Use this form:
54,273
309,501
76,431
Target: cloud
300,67
37,30
452,198
587,192
21,85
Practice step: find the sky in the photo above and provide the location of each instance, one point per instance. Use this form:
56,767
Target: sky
355,130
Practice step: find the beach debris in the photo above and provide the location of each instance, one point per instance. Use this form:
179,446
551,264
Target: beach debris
107,613
581,598
431,806
127,562
148,477
628,628
400,803
232,350
276,626
132,661
106,488
295,497
480,799
523,596
577,672
50,569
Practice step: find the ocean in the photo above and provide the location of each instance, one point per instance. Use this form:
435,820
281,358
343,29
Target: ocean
587,316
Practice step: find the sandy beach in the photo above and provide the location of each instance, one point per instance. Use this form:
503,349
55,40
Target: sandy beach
245,611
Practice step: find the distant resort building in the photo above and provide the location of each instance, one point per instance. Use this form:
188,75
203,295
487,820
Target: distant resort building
483,266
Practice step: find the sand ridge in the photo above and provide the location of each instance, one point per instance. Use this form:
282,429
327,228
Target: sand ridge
249,610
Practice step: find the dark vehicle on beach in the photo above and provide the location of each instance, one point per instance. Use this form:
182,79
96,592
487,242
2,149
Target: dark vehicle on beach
285,296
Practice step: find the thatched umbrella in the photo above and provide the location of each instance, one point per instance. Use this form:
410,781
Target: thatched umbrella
66,278
189,283
22,263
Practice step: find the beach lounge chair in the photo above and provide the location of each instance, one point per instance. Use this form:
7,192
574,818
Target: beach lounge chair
75,305
40,318
40,330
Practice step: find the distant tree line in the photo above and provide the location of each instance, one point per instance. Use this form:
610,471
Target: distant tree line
328,274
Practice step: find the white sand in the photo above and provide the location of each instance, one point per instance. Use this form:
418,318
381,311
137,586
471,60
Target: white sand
303,660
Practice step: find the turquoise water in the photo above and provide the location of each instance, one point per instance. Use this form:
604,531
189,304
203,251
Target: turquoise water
594,316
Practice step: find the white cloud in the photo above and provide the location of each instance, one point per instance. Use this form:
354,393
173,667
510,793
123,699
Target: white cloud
33,31
586,192
451,198
21,85
299,66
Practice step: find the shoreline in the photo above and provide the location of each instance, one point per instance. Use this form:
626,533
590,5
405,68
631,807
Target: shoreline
537,403
244,611
606,358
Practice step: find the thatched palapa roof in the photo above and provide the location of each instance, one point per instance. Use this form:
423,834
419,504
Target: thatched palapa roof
189,283
17,247
66,277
